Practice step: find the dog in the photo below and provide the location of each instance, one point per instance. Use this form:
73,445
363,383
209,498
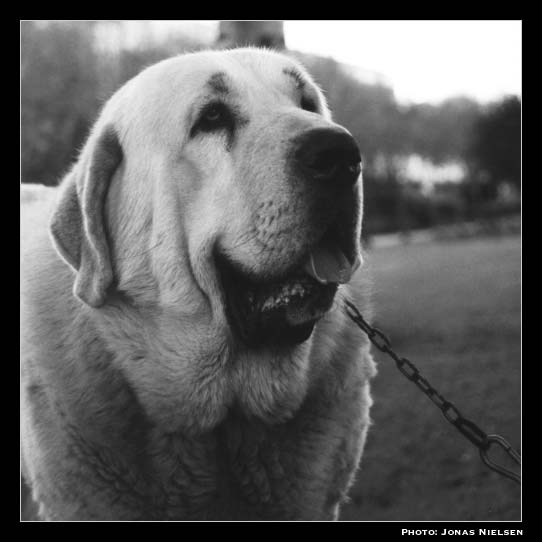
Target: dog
185,352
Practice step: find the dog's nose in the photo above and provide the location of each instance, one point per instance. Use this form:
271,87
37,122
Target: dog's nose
329,155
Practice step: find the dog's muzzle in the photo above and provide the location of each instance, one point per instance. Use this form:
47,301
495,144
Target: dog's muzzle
281,309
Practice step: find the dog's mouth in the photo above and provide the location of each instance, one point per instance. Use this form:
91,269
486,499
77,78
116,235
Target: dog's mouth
283,311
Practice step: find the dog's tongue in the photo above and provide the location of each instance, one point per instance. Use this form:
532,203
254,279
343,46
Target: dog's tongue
328,263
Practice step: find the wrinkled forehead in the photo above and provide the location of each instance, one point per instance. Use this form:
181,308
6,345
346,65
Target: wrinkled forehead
242,74
242,70
174,89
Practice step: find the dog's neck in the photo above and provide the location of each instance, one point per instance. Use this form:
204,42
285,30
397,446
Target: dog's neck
232,464
189,384
240,469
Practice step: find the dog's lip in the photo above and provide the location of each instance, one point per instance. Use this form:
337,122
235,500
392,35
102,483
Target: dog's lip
282,308
277,312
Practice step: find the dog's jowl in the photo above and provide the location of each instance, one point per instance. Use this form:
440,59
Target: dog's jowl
185,352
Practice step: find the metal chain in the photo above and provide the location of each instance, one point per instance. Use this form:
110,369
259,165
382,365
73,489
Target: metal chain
466,427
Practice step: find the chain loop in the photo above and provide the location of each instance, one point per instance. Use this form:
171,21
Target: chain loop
466,427
380,340
497,439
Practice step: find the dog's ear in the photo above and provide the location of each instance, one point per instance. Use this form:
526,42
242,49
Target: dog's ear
77,225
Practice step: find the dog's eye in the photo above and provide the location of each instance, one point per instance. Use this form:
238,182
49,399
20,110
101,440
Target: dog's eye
213,117
308,104
213,114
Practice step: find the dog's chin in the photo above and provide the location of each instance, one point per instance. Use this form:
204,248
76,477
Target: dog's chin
278,312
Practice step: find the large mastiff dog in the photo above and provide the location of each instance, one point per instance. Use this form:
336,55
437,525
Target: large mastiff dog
185,350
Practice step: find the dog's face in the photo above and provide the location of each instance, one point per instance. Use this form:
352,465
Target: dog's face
255,190
233,201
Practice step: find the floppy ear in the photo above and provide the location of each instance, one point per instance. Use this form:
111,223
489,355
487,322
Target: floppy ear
77,224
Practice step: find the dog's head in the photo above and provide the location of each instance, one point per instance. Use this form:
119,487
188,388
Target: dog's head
228,183
217,197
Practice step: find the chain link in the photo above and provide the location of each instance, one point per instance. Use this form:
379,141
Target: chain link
466,427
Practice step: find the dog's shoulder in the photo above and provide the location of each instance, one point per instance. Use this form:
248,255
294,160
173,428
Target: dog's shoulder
46,281
37,203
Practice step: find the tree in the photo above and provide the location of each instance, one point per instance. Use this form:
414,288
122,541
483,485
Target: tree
59,96
257,33
495,151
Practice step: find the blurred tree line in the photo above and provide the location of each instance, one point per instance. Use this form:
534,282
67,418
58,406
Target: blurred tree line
65,78
67,73
485,139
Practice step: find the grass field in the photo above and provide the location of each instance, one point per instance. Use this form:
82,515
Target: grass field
454,309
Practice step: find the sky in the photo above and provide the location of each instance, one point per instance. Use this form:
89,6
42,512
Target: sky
421,60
